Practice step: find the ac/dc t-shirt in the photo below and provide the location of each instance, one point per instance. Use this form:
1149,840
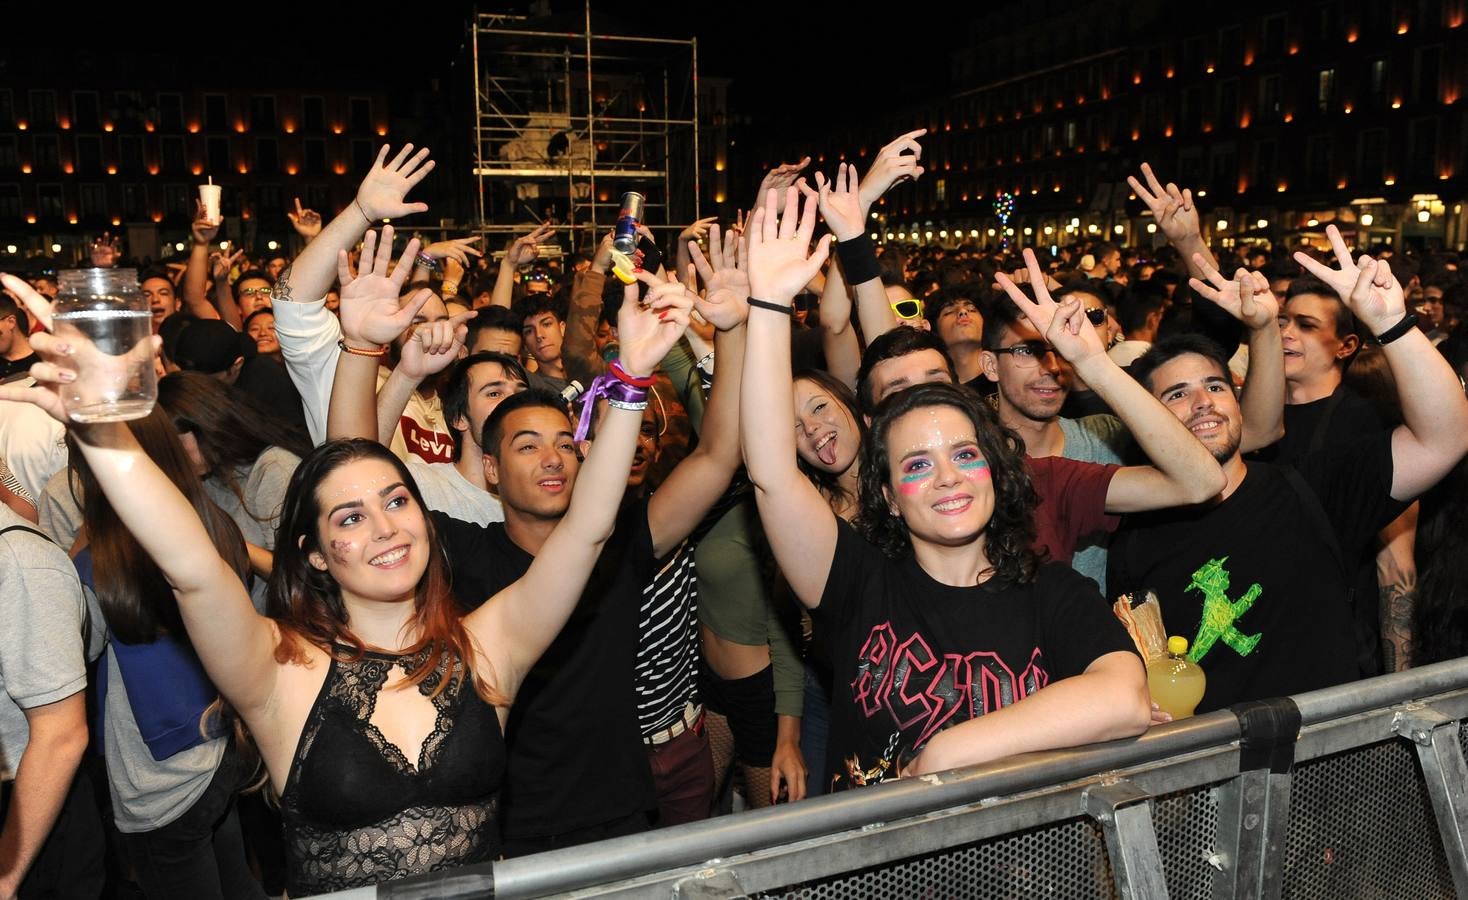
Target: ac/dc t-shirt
576,757
912,656
1253,582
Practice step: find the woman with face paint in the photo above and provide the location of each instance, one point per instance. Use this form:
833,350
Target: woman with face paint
952,643
378,709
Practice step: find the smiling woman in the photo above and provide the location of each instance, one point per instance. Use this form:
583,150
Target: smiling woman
1003,654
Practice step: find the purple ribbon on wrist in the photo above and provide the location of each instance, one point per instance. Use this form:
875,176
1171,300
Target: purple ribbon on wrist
612,388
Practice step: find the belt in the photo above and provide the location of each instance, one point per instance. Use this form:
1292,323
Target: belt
691,720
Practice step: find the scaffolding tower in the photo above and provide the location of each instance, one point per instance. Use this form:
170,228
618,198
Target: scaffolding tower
568,120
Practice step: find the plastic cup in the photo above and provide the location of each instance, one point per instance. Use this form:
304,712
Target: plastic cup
209,194
107,320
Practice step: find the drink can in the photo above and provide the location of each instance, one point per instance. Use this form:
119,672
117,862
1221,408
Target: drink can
625,237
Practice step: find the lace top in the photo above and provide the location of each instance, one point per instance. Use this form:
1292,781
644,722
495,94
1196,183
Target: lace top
357,812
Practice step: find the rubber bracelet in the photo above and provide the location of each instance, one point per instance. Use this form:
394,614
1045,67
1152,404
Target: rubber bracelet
1409,321
622,375
772,307
427,261
858,259
342,345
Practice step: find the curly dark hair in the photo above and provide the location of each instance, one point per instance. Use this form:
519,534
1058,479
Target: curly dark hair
1010,534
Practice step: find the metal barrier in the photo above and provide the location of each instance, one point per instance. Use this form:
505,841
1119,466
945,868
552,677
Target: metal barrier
1355,791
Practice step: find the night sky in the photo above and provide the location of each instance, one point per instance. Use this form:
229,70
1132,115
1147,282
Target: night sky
795,65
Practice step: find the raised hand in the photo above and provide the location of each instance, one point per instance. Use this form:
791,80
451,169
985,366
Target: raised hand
1172,207
647,331
1246,297
1064,325
697,231
1022,276
894,163
70,365
726,280
780,179
202,228
602,260
306,222
370,312
781,261
840,203
381,194
458,249
105,251
525,250
221,265
1366,285
433,346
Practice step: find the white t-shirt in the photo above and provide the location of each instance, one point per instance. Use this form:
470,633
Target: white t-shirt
32,443
447,491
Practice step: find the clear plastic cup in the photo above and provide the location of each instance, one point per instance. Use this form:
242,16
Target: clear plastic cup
116,380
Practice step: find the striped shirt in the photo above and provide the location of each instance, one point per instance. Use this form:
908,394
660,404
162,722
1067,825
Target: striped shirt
666,671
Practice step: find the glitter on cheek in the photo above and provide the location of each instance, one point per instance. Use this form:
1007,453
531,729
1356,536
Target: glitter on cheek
341,551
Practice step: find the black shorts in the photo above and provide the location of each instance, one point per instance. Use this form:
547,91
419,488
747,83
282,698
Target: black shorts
749,705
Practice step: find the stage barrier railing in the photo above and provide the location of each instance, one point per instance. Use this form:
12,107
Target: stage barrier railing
1354,791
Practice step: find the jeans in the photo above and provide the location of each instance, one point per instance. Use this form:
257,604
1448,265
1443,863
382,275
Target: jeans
201,854
815,727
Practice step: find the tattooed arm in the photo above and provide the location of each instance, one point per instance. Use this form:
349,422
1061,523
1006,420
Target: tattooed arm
1396,576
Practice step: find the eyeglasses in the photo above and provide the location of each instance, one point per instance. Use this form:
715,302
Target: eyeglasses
911,308
1026,353
1097,316
255,292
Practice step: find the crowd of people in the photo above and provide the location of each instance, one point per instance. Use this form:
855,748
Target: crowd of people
422,560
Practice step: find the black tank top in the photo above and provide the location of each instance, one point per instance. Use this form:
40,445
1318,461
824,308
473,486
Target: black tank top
356,812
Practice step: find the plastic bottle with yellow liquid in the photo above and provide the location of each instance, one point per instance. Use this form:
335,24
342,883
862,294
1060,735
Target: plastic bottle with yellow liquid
1175,683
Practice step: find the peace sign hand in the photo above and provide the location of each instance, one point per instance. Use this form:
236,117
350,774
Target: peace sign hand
1246,297
1171,207
1366,286
1064,325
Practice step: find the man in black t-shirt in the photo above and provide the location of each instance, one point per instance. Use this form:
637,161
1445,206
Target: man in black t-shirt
16,356
1258,580
578,769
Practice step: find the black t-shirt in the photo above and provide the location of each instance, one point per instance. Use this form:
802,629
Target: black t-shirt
576,757
17,368
1253,582
1332,421
912,656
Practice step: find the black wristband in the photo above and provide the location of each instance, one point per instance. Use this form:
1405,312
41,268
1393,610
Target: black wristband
858,259
1409,321
772,307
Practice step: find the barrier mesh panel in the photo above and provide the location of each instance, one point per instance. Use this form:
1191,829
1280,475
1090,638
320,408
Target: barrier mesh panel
1187,831
1361,825
1064,860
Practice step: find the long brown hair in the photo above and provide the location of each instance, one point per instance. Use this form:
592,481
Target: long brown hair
307,602
231,427
136,600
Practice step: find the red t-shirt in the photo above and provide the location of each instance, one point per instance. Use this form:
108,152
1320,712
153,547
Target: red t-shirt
1072,503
